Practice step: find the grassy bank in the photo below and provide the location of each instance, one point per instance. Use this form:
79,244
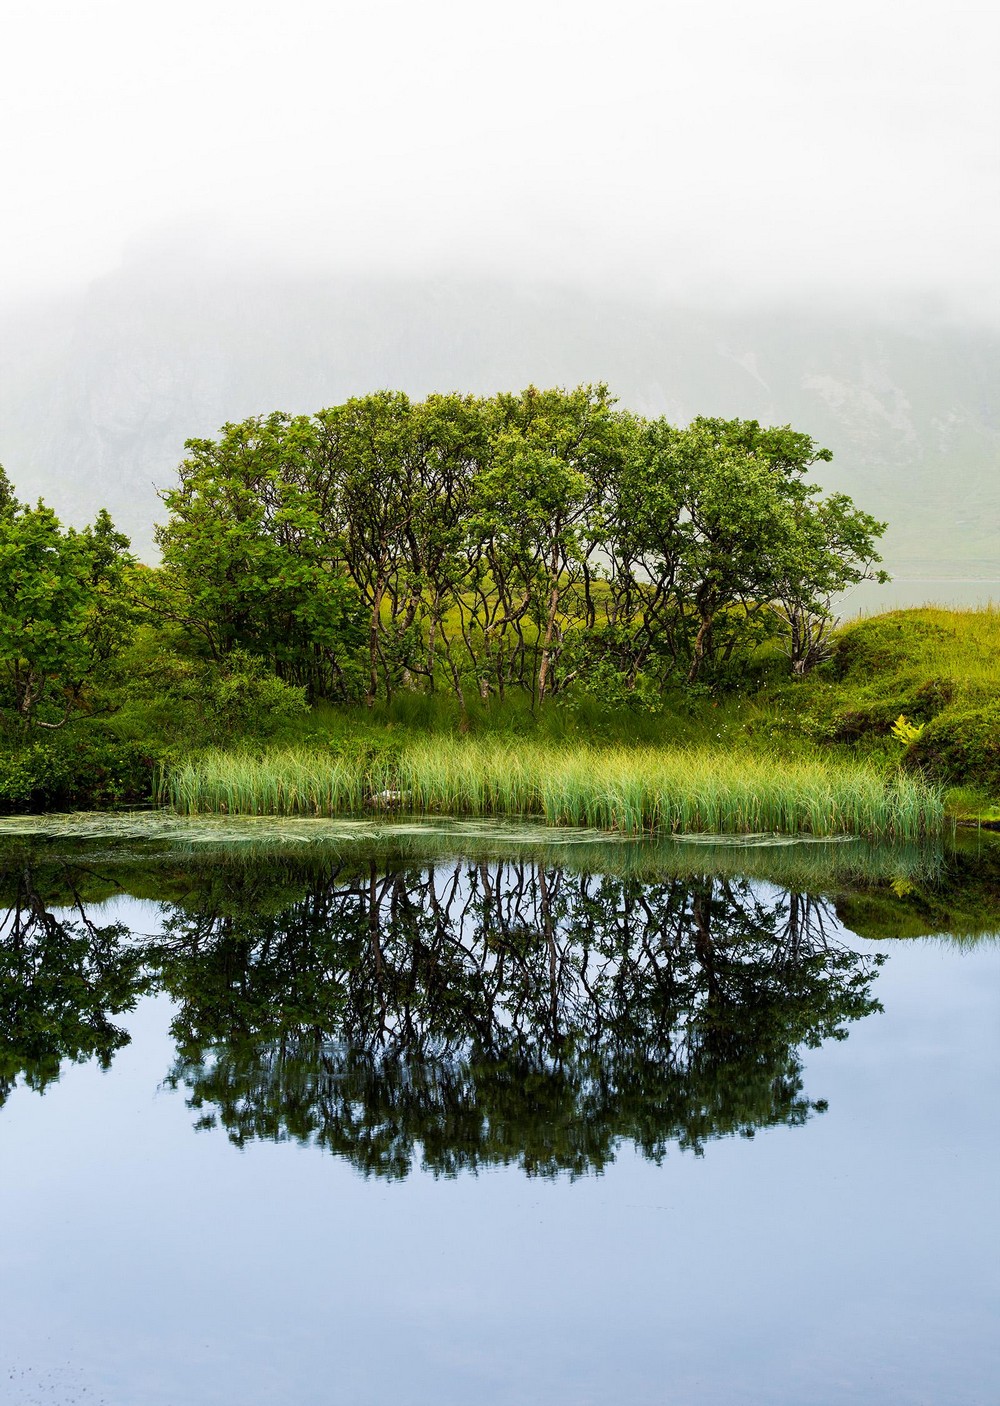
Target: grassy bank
629,790
762,751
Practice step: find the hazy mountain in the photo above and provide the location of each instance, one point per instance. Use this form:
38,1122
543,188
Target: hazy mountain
99,392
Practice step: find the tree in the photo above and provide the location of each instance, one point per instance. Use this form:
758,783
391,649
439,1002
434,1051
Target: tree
61,980
247,560
535,511
372,470
526,541
499,1012
65,608
831,546
720,524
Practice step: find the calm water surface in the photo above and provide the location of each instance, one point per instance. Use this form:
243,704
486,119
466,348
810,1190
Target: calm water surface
367,1121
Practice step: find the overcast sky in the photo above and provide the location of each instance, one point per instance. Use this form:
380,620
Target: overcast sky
723,148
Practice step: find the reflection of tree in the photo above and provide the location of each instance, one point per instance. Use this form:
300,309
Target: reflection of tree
506,1012
61,980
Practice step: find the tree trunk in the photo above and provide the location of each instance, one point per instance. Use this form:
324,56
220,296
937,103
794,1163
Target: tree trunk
550,624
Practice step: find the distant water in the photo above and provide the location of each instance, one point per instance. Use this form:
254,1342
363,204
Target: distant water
957,589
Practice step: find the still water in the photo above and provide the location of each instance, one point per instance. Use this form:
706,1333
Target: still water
429,1115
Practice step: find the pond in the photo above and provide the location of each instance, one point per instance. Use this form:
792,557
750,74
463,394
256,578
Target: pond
419,1112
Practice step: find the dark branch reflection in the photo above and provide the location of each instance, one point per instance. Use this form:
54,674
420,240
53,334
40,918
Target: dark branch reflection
454,1015
471,1014
62,978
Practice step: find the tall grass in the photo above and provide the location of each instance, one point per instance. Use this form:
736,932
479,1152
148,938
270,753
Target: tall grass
630,790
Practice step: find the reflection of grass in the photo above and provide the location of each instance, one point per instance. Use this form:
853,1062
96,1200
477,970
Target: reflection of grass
630,791
142,849
967,803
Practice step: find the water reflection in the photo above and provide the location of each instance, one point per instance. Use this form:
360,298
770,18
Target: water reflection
507,1012
454,1015
62,978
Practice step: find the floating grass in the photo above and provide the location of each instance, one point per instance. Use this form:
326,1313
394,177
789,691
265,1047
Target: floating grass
628,790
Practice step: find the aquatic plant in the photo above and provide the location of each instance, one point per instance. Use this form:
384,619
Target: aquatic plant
630,791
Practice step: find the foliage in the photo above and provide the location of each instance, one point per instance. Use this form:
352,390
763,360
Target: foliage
470,1013
85,765
936,655
246,565
906,732
455,563
491,1013
937,669
197,701
483,545
961,745
61,981
65,610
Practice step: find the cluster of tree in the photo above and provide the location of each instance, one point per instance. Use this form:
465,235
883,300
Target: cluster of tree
530,541
507,1012
62,978
536,542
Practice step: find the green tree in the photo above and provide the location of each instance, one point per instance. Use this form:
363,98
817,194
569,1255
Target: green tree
536,519
370,453
500,1012
65,608
718,523
61,980
829,546
521,541
247,559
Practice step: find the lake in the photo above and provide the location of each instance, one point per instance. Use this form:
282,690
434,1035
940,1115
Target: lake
432,1112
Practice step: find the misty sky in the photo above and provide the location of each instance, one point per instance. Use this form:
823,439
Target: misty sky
719,149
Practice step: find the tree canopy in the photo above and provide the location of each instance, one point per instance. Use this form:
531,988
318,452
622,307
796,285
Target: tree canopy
534,541
66,607
543,542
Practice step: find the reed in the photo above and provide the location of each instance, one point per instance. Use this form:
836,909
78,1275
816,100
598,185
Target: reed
628,790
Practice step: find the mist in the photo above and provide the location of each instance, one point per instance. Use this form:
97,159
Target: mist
775,211
719,154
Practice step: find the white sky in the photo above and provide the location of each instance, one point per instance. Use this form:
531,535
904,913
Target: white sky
730,146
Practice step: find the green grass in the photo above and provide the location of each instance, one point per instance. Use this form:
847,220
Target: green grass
826,736
967,804
906,648
629,790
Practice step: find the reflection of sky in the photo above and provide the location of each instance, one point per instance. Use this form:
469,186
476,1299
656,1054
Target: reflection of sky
852,1260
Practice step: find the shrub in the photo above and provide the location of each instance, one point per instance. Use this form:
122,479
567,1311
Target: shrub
962,747
204,701
878,717
242,695
80,767
885,641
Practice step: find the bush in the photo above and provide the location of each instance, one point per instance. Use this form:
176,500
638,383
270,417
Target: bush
961,747
80,767
201,702
242,695
885,642
876,719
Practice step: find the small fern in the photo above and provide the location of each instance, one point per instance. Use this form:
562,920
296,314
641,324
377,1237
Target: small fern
904,731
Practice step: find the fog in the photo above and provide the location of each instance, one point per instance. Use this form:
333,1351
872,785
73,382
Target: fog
772,210
721,152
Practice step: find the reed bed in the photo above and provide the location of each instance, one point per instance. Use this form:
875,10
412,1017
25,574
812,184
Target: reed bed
628,790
